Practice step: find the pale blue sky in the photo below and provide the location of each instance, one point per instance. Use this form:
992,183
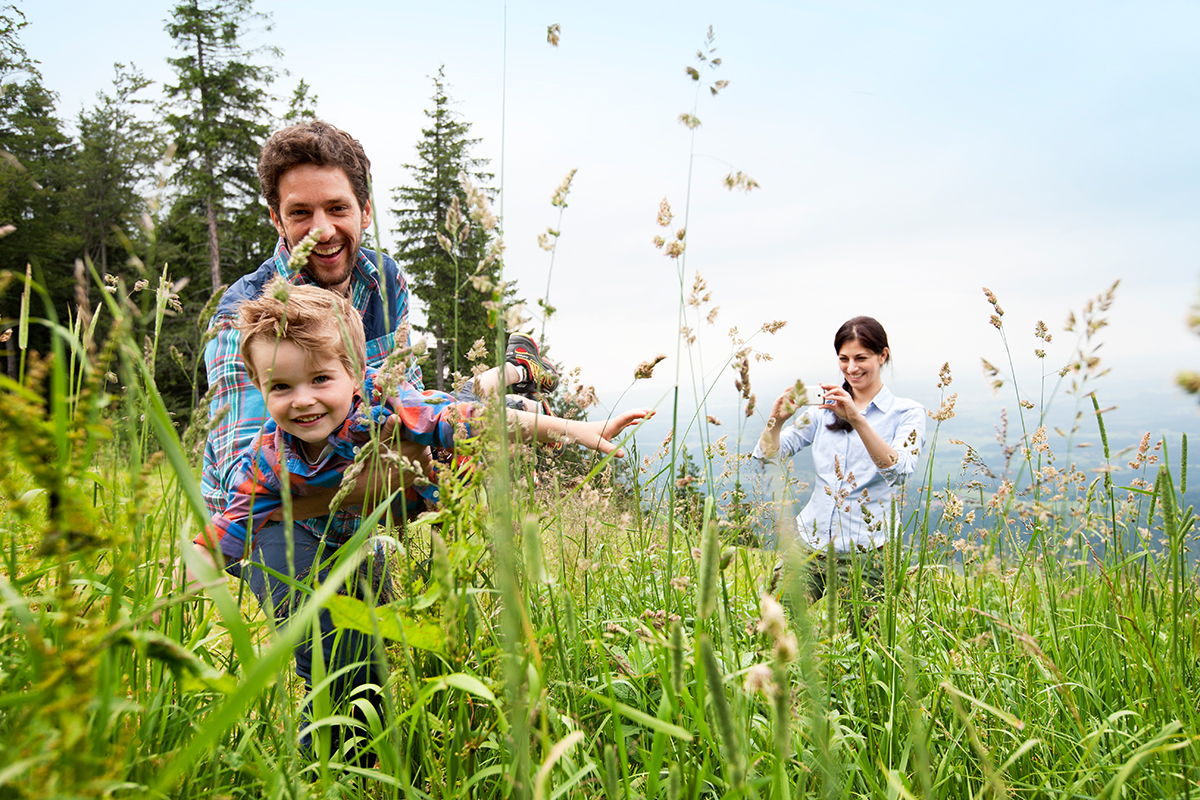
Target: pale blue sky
908,155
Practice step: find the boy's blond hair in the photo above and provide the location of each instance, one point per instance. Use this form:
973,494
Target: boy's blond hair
316,320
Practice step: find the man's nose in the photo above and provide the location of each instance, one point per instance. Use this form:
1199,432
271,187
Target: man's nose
321,220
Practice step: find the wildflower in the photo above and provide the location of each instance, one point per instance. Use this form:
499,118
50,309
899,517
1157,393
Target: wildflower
740,180
299,256
589,495
646,368
584,396
771,620
954,505
559,198
947,410
759,679
698,285
1143,449
944,377
991,298
664,213
706,591
514,316
787,649
478,350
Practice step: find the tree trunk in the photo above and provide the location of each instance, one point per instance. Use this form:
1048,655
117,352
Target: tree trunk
214,246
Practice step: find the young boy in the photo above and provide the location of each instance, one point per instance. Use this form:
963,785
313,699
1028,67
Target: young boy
304,349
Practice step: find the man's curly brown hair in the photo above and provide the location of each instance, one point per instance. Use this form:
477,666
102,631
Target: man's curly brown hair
313,142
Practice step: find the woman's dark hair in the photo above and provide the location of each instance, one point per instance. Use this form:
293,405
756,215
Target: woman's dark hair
870,334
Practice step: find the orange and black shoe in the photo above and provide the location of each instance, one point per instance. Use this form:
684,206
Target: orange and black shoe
540,374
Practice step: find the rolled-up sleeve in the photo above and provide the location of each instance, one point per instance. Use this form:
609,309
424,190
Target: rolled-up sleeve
907,442
237,405
791,440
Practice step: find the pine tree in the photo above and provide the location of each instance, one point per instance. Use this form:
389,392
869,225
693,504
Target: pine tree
219,125
35,171
303,106
114,167
454,308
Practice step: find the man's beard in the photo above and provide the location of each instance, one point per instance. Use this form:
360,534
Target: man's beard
349,252
329,284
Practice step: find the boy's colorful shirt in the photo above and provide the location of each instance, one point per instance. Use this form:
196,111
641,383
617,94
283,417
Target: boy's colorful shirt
427,418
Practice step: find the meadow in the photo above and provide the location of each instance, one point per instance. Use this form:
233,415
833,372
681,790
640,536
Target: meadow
565,628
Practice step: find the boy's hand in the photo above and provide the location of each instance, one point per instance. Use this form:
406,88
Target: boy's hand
599,435
379,484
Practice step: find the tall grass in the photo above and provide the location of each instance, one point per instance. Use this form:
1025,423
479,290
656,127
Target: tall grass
542,648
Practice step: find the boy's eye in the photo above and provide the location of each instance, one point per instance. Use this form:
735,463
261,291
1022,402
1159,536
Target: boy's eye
321,379
278,387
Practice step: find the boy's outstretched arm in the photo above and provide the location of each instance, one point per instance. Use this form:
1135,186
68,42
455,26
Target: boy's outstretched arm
592,435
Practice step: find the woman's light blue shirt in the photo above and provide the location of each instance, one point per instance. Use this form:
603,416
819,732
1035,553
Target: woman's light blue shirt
851,502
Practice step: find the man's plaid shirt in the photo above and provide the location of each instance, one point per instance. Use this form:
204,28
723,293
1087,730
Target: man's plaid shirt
238,406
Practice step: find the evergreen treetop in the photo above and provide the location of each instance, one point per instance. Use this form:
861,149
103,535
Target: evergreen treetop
440,279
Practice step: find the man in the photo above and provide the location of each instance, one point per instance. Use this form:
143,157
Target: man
313,176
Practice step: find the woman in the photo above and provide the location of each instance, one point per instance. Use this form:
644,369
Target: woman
864,441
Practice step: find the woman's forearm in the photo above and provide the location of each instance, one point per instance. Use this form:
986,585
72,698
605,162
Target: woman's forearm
768,441
881,453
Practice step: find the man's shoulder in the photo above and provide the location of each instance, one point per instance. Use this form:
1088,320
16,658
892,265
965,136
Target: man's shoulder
247,287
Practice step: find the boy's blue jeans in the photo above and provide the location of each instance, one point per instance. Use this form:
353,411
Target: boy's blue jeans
341,647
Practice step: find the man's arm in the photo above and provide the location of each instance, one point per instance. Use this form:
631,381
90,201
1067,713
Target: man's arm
240,407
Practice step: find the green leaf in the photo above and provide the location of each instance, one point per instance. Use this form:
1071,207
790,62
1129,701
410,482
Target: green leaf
642,718
470,685
350,612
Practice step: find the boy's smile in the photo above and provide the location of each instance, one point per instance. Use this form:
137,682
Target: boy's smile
308,395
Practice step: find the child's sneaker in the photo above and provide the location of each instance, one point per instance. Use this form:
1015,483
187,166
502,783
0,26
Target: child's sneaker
541,374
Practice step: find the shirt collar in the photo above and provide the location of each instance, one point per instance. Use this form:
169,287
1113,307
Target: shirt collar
365,272
341,441
884,400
